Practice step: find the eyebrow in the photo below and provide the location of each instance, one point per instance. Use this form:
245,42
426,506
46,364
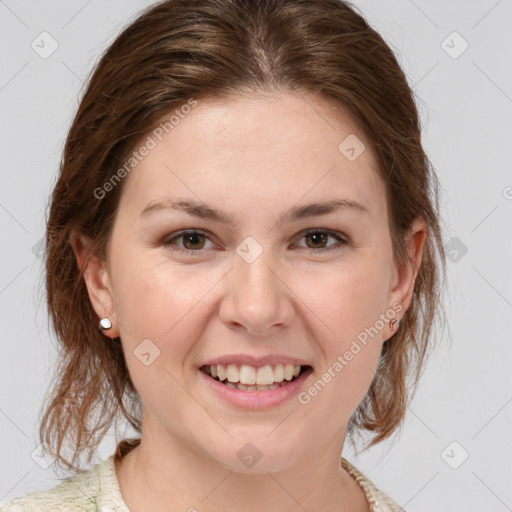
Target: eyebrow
203,211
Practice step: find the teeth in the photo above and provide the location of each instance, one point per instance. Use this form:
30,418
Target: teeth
265,375
221,372
279,373
247,374
232,373
251,378
257,387
288,371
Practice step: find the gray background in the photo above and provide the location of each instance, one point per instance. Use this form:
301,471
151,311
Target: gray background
463,406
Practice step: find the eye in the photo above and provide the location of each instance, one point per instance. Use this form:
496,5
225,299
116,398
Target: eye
319,237
193,241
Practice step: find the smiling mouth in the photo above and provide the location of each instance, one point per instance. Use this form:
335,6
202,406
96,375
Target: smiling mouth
250,378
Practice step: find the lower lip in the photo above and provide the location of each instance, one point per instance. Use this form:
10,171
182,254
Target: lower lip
256,399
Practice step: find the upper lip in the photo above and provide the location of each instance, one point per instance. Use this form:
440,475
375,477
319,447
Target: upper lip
256,361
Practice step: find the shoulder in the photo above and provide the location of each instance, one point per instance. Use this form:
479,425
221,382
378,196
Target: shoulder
84,492
379,501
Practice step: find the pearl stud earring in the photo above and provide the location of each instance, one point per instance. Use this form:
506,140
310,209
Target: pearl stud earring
105,324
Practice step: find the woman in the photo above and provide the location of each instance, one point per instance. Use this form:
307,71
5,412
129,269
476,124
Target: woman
243,259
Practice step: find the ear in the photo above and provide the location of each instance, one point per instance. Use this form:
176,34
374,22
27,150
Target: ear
97,281
404,276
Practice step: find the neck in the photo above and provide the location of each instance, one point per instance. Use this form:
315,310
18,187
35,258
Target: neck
172,476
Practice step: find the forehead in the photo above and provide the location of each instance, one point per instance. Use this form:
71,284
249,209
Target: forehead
270,149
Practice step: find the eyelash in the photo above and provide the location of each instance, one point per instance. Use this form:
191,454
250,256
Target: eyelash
341,241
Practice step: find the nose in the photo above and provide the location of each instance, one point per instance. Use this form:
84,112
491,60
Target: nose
256,299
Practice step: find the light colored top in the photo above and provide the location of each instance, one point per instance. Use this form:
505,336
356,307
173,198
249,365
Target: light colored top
97,490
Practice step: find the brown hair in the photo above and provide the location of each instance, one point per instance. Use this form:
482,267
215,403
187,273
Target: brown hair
182,49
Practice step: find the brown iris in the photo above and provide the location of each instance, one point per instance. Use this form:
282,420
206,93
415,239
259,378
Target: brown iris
193,239
319,238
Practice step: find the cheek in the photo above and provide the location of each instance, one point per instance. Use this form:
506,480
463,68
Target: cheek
155,303
349,305
166,303
346,299
152,295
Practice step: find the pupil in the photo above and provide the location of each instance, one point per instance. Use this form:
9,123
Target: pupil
316,236
192,237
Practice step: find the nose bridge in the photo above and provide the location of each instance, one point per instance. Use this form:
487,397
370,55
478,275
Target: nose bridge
255,279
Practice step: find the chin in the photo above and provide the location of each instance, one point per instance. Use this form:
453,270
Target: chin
251,454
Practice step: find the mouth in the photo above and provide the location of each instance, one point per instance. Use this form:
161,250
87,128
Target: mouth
255,379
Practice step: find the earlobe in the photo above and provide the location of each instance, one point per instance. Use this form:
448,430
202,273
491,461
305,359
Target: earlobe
97,280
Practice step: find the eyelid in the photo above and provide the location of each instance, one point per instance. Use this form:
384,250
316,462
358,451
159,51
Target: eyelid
342,240
166,242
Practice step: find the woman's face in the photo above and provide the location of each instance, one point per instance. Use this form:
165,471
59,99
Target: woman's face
252,287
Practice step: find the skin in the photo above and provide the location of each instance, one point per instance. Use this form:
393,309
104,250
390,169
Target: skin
253,158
